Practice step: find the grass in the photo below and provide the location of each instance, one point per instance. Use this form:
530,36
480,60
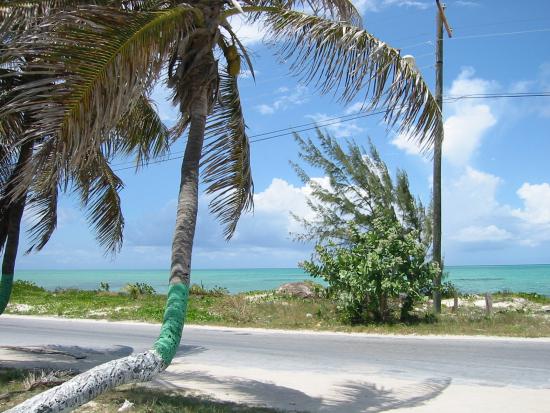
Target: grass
266,309
15,383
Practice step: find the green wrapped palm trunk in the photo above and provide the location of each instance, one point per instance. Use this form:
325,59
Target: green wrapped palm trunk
145,366
6,284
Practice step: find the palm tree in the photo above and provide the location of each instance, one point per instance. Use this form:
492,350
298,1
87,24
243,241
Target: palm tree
140,131
109,56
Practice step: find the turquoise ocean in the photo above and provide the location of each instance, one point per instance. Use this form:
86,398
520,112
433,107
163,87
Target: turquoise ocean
469,279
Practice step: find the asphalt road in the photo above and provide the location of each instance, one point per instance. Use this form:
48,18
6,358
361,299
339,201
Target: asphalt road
483,361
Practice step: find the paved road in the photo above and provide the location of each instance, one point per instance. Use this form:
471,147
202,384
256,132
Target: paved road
285,358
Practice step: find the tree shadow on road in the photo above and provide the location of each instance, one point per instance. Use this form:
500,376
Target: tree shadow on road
346,397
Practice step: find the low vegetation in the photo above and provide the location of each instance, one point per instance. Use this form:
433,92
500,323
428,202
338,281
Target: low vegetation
18,385
521,315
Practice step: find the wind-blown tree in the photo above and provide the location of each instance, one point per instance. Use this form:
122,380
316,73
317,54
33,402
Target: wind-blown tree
108,57
140,131
360,189
372,235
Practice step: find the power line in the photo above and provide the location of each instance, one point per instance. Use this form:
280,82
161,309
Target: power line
498,23
261,137
479,36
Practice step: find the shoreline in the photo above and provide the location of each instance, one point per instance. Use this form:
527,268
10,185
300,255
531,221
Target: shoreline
468,279
286,331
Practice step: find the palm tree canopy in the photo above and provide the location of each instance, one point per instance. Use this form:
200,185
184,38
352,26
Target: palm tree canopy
139,131
97,60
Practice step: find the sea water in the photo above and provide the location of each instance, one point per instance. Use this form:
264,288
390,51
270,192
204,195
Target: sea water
468,279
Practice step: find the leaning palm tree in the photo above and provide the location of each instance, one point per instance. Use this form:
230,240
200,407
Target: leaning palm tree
140,131
109,56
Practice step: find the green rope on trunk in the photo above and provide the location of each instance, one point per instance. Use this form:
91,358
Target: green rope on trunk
172,325
6,285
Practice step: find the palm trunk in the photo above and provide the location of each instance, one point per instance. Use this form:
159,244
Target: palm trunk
144,366
14,214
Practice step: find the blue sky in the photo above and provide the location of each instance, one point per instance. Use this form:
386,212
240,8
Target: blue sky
496,177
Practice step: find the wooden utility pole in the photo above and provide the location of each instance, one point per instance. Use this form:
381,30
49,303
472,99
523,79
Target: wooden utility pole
441,20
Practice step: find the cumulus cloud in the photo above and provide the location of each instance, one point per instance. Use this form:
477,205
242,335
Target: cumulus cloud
264,237
470,199
467,124
379,5
536,200
338,129
473,214
489,233
285,99
469,120
248,33
406,144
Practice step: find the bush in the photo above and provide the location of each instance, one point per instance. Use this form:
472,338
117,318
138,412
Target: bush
136,290
27,286
104,286
201,290
375,267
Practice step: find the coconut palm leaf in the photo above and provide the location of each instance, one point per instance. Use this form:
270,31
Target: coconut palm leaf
339,58
339,10
41,179
107,59
98,187
42,207
226,158
140,132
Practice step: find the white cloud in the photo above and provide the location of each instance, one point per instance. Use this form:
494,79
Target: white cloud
469,120
264,237
422,5
265,109
472,212
467,124
378,5
471,199
248,33
354,108
403,142
466,3
536,200
247,74
490,233
298,96
336,128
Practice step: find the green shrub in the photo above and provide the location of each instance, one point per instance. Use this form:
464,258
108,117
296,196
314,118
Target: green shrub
104,286
374,270
136,290
201,290
27,286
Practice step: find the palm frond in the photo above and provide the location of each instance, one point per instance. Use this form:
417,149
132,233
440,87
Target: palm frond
42,206
19,15
41,178
226,158
339,10
98,187
342,59
141,132
99,61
